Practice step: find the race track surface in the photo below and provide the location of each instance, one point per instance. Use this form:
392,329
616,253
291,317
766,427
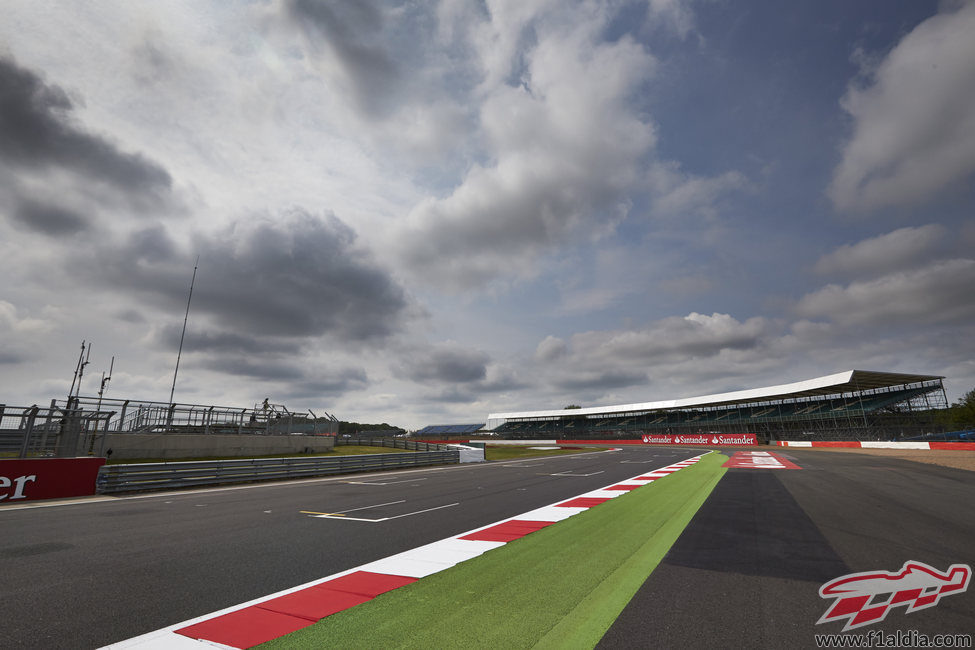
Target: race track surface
746,572
85,575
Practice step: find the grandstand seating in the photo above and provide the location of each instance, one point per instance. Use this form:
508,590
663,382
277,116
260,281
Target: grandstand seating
449,429
843,415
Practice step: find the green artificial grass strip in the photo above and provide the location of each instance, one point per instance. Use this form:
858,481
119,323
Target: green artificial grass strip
562,586
593,616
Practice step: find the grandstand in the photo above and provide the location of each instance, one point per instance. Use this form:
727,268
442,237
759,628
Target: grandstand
850,405
448,430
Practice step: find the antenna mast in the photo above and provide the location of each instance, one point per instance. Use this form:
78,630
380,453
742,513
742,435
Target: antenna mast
77,367
181,336
83,361
105,380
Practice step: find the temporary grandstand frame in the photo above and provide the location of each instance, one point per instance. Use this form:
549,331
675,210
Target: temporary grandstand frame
850,405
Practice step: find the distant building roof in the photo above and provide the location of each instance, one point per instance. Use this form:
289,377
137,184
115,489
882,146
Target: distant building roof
848,381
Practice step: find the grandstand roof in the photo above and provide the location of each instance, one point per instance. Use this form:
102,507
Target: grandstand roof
848,381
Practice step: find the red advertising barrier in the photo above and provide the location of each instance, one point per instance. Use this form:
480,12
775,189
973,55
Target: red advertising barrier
604,443
47,478
712,439
722,439
856,444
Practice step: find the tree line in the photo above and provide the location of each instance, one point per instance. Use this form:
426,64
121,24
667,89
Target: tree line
961,414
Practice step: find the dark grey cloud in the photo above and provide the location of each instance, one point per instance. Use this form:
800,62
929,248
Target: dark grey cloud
168,336
452,395
332,383
601,380
501,382
36,134
151,244
298,275
353,30
48,218
447,363
253,367
10,357
131,316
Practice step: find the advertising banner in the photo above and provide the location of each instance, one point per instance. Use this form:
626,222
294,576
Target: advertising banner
712,439
29,479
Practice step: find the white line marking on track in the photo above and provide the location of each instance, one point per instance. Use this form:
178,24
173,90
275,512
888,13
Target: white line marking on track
336,515
567,474
409,480
378,505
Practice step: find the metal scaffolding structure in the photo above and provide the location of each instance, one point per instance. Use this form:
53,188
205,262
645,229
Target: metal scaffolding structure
139,416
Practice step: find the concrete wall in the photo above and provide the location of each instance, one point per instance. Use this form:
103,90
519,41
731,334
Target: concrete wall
173,445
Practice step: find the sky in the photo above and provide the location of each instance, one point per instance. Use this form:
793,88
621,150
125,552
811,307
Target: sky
425,212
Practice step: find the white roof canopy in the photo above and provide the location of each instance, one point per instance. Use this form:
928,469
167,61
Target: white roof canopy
842,382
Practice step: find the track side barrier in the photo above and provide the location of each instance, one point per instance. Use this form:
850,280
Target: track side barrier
33,479
857,444
161,476
708,439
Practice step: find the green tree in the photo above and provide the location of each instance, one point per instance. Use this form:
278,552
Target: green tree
962,413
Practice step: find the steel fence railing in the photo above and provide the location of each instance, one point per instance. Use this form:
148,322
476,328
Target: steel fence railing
157,476
35,431
141,416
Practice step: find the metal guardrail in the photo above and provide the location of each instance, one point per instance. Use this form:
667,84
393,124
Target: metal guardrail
395,443
158,476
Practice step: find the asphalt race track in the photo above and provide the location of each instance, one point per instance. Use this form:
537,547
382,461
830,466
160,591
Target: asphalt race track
85,575
745,572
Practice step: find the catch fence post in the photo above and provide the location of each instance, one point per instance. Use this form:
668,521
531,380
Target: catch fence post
31,415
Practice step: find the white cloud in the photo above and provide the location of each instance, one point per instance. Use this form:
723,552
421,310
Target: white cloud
12,323
561,150
551,348
674,14
896,250
508,144
914,124
678,193
19,333
612,359
939,293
